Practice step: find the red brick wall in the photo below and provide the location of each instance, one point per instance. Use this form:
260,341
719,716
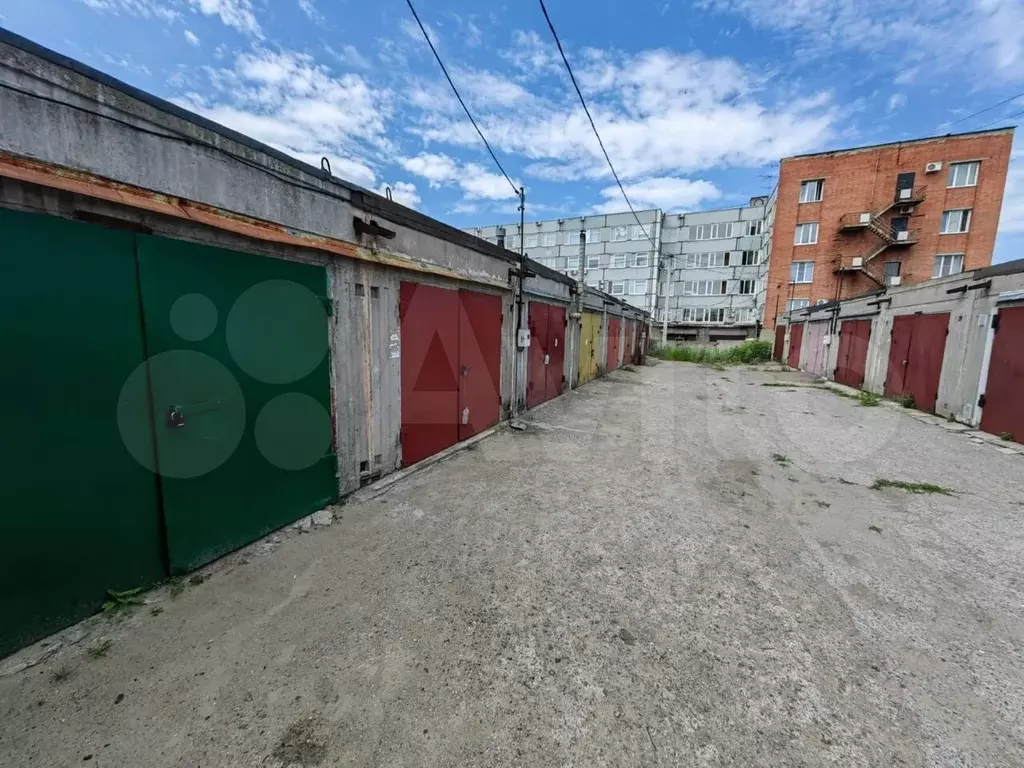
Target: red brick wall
865,180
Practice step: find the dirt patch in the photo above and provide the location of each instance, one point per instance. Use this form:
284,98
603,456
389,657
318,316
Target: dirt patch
300,745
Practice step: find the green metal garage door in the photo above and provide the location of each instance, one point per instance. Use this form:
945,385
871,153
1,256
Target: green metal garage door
240,376
78,515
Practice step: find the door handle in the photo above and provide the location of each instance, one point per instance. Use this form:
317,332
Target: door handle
465,370
175,417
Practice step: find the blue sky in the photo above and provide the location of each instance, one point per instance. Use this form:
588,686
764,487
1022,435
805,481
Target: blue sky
696,101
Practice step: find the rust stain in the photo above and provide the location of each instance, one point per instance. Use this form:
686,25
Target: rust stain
89,185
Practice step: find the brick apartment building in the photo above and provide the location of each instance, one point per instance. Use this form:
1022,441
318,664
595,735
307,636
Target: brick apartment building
851,221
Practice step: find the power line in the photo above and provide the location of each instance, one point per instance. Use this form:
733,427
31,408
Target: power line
494,157
986,109
583,101
1007,117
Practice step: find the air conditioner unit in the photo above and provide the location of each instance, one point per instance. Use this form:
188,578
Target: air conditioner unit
857,261
905,194
865,218
895,280
932,167
902,236
821,301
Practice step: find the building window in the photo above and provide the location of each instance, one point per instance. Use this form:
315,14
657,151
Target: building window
704,288
703,314
963,174
619,261
593,235
531,241
550,239
806,234
719,231
948,264
801,272
794,304
619,234
638,232
704,260
639,287
641,260
755,227
572,238
811,191
574,262
746,287
514,241
750,258
618,287
954,222
892,269
593,262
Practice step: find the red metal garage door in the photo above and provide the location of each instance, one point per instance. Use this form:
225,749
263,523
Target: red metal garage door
555,378
796,338
1003,409
780,342
854,336
915,359
627,350
537,359
429,319
614,327
479,362
451,367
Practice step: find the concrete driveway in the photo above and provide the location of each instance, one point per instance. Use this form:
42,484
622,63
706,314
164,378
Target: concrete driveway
633,581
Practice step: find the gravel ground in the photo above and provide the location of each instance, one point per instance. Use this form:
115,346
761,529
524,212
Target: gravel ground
633,581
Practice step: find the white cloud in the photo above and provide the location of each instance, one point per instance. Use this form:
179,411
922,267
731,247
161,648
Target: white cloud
470,32
659,113
402,192
668,193
436,169
412,31
896,101
234,13
287,100
191,37
984,36
145,9
350,55
475,181
309,8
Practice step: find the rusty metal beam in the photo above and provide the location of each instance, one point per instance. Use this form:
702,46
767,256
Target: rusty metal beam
90,185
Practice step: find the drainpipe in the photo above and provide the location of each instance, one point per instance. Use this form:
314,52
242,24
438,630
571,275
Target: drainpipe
517,302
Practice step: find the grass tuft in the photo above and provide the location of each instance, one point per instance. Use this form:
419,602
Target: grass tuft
1007,436
868,399
62,673
906,399
100,648
122,602
781,459
747,353
177,586
882,482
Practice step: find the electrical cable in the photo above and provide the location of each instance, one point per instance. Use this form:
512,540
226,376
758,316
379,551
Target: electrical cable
583,101
1001,119
455,90
986,109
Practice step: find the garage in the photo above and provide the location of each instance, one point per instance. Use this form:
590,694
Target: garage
915,358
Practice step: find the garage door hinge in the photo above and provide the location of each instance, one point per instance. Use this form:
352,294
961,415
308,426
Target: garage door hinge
328,303
981,401
401,431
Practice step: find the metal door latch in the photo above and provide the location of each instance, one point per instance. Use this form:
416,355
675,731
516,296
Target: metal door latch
175,418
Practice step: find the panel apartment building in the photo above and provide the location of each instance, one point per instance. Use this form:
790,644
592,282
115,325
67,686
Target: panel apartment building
699,274
851,221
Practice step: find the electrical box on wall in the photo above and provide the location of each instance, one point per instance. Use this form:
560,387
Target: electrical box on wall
524,338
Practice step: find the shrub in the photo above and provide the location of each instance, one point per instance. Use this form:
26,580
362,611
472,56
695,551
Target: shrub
747,353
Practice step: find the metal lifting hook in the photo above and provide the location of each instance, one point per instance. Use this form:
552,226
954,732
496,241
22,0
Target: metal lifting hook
325,166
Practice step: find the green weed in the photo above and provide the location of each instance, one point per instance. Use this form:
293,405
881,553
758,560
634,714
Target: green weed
1007,436
122,602
100,649
176,587
781,459
156,610
881,483
747,353
868,399
906,399
62,673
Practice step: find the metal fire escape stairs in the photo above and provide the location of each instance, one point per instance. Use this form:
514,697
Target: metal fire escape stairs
889,237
